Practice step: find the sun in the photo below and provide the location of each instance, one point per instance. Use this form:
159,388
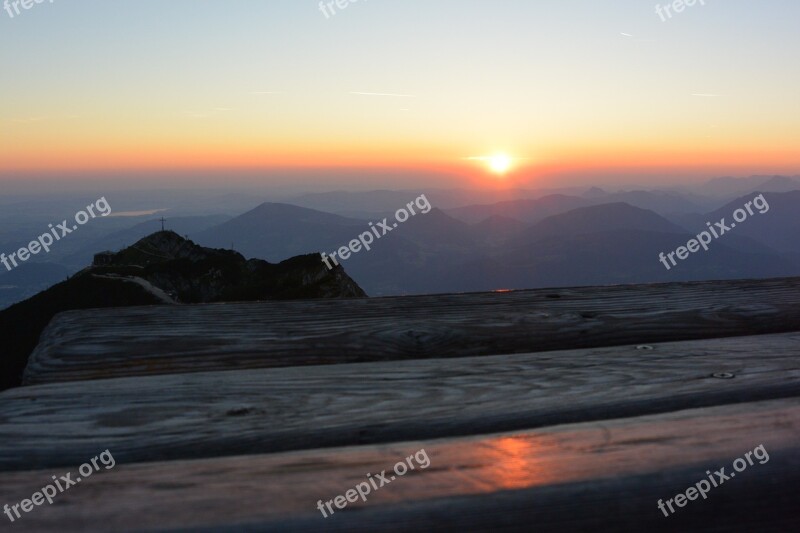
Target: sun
499,163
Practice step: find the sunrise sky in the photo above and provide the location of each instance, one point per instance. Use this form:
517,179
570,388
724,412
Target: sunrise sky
570,88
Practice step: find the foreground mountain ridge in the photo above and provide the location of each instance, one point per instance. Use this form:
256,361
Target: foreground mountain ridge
164,268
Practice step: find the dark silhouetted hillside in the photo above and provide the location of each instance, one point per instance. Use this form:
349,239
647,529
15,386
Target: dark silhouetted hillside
119,239
164,268
28,279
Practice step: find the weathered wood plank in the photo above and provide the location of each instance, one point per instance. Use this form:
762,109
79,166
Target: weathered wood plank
155,340
601,476
260,411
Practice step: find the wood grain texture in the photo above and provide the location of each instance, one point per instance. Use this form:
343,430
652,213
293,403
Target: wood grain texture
270,410
599,476
82,345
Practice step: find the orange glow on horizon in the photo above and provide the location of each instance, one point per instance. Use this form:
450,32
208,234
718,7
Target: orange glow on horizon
498,171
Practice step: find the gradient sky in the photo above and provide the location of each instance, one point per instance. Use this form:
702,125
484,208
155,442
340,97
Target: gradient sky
566,87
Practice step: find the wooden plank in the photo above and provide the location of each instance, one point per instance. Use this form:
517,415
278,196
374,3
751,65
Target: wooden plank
83,345
602,476
260,411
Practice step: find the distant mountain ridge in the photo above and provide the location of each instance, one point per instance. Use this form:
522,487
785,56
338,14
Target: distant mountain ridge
596,243
778,228
601,218
526,211
733,187
270,231
533,211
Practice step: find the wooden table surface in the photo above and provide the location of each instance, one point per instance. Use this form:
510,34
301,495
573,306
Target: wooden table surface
270,410
560,410
566,477
136,341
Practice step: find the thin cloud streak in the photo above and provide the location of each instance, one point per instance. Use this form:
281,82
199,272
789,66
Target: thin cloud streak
385,94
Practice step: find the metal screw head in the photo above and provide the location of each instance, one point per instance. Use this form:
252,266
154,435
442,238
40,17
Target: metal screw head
644,347
723,375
